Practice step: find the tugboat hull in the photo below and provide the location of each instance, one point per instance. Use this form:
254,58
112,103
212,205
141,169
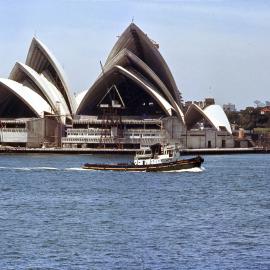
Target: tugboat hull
163,167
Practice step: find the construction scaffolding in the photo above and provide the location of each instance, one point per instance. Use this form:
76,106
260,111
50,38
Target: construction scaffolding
111,126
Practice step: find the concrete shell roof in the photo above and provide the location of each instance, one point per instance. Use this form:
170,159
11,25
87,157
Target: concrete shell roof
218,117
148,87
29,97
125,56
213,113
47,90
135,40
40,58
98,89
80,96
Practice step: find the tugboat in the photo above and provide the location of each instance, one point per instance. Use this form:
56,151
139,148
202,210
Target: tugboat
157,158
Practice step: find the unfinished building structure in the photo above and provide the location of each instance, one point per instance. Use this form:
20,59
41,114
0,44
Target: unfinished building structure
134,102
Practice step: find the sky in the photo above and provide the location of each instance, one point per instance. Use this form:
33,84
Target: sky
214,48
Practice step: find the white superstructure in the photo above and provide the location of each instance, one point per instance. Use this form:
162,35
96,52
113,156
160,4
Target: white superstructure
168,153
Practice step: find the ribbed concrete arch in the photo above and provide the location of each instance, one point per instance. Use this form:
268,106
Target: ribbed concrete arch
135,40
99,88
80,96
213,114
43,61
148,87
218,117
125,56
20,75
40,84
32,100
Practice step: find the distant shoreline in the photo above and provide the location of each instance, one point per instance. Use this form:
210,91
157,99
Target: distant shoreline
205,151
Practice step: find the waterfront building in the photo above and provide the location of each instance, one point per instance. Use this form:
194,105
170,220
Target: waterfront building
265,110
134,102
202,103
229,107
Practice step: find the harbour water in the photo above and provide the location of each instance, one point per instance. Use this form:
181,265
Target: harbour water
53,215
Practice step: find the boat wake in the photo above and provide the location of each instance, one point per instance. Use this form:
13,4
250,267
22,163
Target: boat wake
45,168
40,169
75,169
28,168
192,170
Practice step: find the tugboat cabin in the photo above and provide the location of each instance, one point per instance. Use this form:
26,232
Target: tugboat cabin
157,154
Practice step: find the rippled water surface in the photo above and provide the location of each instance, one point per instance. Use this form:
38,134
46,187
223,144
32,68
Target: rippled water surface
53,215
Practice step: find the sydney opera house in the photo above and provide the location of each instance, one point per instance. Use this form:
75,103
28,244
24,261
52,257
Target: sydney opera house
134,102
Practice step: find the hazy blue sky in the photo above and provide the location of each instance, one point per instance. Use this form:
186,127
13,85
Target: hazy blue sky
216,48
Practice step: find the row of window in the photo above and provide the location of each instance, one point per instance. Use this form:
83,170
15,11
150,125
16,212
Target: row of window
131,136
108,138
16,130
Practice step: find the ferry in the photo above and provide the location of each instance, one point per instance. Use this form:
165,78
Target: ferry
157,158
